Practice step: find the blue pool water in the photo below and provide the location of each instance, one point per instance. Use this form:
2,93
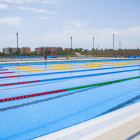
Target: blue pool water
33,117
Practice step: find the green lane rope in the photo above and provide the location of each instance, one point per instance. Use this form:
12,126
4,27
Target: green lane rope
103,83
62,90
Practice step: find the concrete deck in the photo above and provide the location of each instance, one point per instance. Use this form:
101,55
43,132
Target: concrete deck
123,132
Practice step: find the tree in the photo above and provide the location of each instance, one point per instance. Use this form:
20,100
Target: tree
47,52
2,54
41,53
17,53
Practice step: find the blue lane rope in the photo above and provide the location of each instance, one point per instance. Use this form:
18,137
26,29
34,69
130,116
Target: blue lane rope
88,75
78,71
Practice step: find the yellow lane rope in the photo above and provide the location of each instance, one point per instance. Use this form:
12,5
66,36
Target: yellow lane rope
60,65
73,65
65,68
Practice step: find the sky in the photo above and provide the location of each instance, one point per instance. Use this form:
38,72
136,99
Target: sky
53,22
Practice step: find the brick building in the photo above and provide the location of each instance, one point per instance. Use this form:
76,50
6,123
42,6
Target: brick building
26,50
42,49
54,48
10,50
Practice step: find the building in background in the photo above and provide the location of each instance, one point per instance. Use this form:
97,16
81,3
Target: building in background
3,50
10,50
67,48
85,50
42,49
14,50
54,48
26,50
7,50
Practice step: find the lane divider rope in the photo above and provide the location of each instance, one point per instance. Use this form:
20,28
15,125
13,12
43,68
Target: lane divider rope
7,72
58,68
12,76
64,78
17,83
65,72
67,89
3,69
31,95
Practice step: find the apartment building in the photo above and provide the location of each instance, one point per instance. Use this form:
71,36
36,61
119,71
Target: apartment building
48,49
7,50
10,50
41,49
25,50
54,48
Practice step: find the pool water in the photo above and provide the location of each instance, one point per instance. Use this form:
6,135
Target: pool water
37,116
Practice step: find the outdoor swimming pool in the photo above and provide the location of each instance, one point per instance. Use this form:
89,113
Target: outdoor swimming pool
33,117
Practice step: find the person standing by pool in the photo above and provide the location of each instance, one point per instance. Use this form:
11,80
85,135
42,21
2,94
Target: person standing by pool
45,56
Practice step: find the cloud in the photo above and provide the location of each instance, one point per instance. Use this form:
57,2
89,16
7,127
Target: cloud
23,1
86,21
3,6
36,10
48,2
84,38
77,24
11,20
13,1
43,18
33,9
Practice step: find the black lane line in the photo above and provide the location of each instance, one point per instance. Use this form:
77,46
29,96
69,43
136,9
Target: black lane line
133,136
130,101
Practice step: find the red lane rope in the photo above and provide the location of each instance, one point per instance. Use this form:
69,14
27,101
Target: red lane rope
31,95
3,69
7,72
12,76
20,83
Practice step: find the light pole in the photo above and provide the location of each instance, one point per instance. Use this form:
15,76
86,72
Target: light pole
113,41
120,44
93,43
17,43
71,46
